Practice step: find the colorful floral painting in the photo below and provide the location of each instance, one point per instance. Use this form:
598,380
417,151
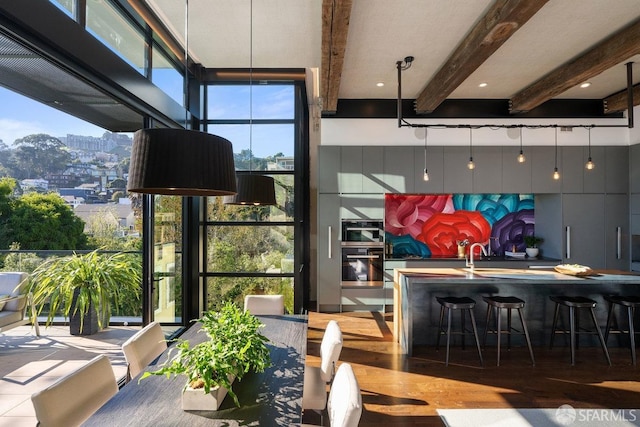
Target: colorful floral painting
432,225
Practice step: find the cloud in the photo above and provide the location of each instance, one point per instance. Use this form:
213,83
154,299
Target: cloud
12,129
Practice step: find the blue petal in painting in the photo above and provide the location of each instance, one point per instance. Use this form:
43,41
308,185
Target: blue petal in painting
407,245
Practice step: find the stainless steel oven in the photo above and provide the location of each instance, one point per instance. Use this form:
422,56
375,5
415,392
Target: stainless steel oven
362,266
362,232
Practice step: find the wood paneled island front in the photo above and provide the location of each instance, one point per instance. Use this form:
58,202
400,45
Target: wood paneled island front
416,312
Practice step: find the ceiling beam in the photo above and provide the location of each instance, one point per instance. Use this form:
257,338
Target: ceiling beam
620,101
500,22
608,53
335,28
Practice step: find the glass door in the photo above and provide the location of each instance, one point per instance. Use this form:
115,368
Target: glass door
166,296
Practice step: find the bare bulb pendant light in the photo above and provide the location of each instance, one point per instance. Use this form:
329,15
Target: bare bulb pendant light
521,158
471,165
590,165
181,162
425,176
556,174
253,189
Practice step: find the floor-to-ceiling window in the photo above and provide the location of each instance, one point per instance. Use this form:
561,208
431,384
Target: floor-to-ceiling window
252,249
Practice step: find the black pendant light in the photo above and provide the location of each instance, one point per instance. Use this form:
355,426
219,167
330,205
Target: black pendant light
253,189
181,162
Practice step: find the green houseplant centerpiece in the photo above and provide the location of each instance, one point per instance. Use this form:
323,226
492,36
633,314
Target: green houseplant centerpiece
85,287
234,346
532,245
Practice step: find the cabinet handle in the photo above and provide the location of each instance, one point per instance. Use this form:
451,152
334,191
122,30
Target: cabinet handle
568,242
618,242
329,241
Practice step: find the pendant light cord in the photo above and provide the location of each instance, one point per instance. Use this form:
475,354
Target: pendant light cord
186,64
251,86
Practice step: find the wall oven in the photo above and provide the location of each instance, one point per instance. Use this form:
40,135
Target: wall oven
362,253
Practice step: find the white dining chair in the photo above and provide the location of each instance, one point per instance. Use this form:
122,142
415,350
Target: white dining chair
316,378
72,399
345,399
143,348
264,304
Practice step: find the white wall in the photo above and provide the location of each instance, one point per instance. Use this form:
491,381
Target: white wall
387,132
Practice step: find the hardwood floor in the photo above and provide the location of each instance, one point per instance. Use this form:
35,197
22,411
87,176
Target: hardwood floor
406,391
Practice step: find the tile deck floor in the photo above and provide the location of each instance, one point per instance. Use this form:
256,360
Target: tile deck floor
29,363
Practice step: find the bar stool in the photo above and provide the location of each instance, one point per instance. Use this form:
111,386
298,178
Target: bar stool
574,323
631,302
508,303
462,304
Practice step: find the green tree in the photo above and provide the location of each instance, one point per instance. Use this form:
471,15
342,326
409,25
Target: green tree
117,183
44,221
40,154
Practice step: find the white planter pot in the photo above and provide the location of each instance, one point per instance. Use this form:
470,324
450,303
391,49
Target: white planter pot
532,252
195,399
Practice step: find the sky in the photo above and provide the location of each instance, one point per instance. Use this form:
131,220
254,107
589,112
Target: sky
21,116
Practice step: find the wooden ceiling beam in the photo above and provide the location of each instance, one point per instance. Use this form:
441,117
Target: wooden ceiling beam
620,101
610,52
500,22
335,28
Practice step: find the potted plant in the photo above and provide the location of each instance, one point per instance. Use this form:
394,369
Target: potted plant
234,346
86,287
532,245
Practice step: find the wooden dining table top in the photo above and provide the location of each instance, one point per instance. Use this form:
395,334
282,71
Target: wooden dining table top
270,398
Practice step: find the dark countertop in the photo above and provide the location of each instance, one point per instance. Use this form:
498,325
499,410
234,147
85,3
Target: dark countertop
480,259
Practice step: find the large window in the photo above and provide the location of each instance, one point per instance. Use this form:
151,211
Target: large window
251,249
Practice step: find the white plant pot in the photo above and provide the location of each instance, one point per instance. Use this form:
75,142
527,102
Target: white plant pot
195,399
532,252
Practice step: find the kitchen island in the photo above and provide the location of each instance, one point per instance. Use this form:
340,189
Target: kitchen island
416,312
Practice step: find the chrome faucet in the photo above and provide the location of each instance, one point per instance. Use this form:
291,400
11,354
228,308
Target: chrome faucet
469,262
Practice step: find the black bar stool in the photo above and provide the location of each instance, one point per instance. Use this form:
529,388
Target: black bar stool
631,302
508,303
462,304
574,323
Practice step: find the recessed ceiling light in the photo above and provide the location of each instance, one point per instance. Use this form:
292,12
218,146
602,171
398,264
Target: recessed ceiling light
585,84
483,85
380,84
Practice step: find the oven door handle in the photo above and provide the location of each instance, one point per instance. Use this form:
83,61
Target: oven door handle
362,229
363,256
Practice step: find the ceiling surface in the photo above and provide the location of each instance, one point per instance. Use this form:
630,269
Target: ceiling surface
516,44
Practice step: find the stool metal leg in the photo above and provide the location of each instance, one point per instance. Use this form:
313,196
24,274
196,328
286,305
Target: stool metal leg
526,335
449,320
609,317
572,336
632,335
509,329
486,326
555,323
498,331
462,327
599,332
440,327
475,334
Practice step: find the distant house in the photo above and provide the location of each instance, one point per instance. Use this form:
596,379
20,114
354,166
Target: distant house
120,216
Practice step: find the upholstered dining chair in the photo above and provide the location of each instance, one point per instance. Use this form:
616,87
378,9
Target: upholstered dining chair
264,304
316,378
345,399
72,399
143,347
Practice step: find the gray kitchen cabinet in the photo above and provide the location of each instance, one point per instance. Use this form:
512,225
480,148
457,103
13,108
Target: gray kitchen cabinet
435,167
362,206
399,163
542,164
616,227
457,177
373,170
329,255
617,169
328,168
584,215
487,176
516,177
634,170
594,179
350,178
571,168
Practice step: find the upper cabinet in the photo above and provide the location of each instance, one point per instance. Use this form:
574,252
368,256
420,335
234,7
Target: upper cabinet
435,167
487,175
399,163
457,177
516,176
543,161
617,170
373,170
328,168
350,169
350,178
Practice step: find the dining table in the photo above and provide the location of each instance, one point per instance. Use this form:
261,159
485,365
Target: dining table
269,398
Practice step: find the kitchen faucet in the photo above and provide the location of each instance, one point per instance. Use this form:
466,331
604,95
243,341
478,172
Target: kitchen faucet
469,262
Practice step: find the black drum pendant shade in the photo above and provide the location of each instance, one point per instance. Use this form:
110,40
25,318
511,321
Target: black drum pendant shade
253,190
181,162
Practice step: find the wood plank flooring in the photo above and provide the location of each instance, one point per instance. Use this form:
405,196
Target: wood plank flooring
406,391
